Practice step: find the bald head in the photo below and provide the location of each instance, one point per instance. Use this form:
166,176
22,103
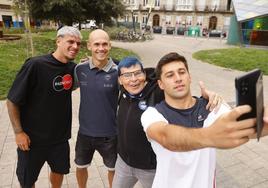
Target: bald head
100,46
98,34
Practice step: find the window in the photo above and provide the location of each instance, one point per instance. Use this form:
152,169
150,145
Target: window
157,3
135,18
199,20
178,20
145,2
227,21
144,18
184,5
189,20
168,20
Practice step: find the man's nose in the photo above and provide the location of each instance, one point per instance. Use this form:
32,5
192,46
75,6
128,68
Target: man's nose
177,77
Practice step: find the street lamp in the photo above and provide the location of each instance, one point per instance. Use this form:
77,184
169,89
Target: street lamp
150,6
132,14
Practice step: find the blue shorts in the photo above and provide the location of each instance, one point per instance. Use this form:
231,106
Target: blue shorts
30,162
86,146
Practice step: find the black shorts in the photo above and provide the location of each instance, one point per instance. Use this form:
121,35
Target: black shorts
30,162
86,146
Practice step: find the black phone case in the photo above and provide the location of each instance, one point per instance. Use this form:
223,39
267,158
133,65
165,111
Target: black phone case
249,90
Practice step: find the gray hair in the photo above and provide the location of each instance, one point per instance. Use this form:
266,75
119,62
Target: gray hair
69,30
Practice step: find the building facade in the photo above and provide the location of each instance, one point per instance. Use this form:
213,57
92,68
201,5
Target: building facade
8,18
206,14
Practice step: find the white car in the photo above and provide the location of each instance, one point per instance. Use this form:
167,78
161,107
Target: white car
90,24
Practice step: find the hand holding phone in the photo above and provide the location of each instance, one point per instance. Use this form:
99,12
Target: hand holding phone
249,90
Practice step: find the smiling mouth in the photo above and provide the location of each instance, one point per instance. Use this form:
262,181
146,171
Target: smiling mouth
134,85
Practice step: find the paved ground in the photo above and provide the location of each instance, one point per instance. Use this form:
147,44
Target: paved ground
245,166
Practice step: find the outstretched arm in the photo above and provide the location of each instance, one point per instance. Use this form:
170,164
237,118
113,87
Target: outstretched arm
22,139
226,132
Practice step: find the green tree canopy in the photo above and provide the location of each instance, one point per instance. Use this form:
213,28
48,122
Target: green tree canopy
69,11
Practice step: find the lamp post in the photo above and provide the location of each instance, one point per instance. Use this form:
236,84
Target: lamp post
149,11
133,20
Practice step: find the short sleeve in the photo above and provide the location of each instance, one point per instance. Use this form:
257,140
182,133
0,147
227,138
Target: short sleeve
212,116
150,116
22,84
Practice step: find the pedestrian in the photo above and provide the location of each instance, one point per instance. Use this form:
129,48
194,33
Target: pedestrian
40,109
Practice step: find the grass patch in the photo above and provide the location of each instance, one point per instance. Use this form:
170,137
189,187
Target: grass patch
243,59
14,53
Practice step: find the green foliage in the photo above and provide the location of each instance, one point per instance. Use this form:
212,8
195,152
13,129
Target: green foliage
13,30
243,59
69,11
14,53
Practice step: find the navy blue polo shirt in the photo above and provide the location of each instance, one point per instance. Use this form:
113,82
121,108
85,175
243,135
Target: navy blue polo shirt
98,98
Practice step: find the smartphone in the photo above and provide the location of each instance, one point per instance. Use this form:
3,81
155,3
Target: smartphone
249,90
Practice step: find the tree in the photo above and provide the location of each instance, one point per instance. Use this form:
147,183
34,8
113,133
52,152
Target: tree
69,11
103,11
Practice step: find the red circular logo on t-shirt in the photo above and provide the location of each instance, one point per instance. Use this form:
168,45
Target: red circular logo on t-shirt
63,82
67,81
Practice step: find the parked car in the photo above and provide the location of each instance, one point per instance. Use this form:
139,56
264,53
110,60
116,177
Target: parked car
214,33
157,29
89,24
181,30
170,30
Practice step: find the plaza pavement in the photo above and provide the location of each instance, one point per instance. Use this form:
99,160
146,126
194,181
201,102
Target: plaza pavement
245,166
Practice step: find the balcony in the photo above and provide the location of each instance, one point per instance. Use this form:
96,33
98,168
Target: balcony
212,9
184,7
132,7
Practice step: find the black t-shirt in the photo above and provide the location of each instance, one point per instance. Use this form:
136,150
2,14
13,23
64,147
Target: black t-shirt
42,90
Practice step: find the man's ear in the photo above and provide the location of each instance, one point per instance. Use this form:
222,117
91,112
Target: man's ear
119,80
88,45
58,41
110,45
160,84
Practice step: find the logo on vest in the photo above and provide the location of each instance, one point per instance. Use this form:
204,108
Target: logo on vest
62,82
107,77
142,105
200,118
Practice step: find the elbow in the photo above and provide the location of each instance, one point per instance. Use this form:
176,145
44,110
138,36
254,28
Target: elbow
168,145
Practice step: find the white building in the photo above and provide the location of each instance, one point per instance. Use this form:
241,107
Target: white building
209,14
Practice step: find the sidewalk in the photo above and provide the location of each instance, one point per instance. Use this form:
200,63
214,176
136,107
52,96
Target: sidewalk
245,166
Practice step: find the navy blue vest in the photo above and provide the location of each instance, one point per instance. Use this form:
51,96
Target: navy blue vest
192,117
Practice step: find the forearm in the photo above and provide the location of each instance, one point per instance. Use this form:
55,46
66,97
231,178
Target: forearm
178,138
14,115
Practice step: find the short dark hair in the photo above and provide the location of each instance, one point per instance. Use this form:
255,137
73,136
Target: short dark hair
128,62
168,58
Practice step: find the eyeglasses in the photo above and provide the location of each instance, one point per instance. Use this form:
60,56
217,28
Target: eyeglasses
128,75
